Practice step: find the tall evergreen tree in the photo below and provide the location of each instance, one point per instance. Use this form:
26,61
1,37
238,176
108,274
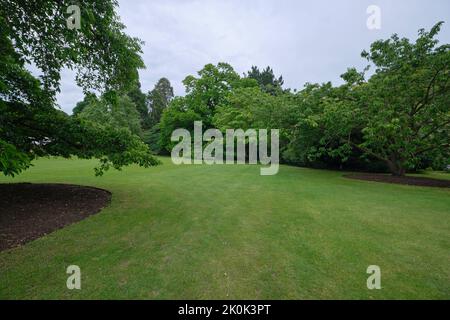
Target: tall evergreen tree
139,99
267,80
158,99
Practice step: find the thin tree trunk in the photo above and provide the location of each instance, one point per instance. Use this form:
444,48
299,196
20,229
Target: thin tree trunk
396,167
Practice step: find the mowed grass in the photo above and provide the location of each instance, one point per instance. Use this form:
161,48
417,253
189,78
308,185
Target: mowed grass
225,232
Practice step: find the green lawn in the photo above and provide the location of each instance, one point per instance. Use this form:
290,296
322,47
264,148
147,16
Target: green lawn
225,232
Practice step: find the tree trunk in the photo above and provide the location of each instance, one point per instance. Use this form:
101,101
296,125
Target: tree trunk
396,167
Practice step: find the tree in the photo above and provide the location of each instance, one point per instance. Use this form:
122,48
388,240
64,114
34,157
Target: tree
119,113
158,99
204,94
402,112
251,108
139,100
210,89
152,137
81,105
306,132
105,58
267,80
177,115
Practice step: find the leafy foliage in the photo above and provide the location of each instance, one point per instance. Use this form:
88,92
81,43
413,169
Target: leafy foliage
402,111
118,113
81,105
267,80
204,94
105,57
152,137
399,116
139,100
158,99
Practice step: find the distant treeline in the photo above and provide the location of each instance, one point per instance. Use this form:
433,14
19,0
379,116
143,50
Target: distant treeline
396,120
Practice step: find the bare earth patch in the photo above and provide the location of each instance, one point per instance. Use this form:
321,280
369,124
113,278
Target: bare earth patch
408,180
29,211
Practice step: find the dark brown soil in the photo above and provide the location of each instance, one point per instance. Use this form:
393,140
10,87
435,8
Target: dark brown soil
29,211
413,181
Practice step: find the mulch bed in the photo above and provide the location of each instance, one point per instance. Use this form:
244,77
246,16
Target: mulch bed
408,180
29,211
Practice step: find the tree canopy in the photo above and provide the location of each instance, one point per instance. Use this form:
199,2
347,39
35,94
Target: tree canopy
158,99
118,113
398,117
106,59
139,100
267,80
204,94
402,112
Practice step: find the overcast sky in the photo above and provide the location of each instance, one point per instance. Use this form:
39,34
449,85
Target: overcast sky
305,41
